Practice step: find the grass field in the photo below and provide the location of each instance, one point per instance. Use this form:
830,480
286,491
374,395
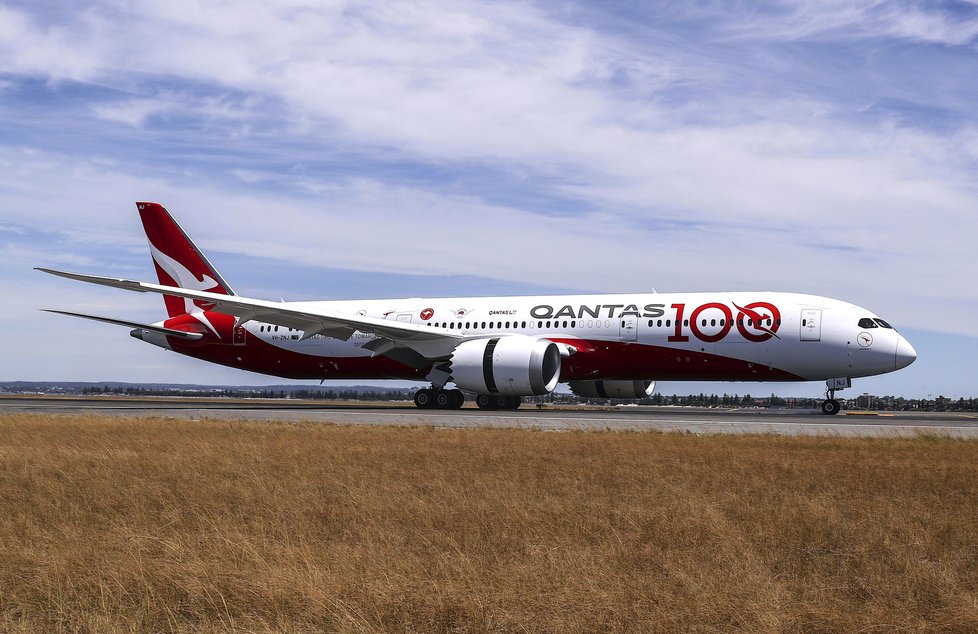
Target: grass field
111,524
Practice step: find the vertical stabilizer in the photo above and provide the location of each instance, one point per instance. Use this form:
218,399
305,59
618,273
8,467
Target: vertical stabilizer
178,261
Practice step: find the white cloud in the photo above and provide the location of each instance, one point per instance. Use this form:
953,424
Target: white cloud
71,51
132,112
838,19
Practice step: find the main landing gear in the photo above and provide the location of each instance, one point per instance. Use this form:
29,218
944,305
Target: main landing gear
497,401
437,398
440,398
830,406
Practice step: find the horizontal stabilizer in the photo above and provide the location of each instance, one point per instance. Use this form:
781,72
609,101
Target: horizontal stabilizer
131,324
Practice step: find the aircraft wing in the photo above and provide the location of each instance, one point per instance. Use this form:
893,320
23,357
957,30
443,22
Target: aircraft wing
428,341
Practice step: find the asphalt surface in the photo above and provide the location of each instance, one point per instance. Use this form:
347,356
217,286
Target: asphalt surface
634,418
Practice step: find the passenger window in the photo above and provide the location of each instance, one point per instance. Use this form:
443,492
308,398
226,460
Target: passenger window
524,325
882,323
866,322
573,324
650,323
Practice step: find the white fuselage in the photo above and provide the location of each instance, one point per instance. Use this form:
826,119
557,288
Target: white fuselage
804,337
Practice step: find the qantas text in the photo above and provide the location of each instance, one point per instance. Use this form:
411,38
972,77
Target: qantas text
543,311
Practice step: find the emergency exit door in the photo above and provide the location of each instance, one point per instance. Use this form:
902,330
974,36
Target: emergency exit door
811,324
629,328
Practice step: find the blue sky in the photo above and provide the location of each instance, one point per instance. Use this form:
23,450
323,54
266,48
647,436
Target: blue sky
336,149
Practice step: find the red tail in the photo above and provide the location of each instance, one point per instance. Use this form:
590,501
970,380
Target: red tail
178,261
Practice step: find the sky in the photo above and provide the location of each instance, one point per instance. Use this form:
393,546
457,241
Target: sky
321,150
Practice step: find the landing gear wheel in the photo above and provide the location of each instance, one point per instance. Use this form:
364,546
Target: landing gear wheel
458,399
424,399
507,402
443,399
485,401
831,407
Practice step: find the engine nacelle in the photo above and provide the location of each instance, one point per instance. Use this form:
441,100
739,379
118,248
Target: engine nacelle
612,389
514,365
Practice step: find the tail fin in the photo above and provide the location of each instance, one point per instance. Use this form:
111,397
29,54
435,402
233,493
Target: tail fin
178,260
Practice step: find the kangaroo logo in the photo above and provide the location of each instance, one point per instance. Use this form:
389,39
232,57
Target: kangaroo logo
184,278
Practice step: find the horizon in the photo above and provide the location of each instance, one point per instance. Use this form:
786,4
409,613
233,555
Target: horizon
406,386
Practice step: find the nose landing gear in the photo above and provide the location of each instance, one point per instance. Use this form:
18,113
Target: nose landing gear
830,406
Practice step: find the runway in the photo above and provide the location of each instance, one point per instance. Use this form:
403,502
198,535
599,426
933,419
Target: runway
624,418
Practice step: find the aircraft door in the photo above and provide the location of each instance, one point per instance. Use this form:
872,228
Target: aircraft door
811,324
238,335
628,328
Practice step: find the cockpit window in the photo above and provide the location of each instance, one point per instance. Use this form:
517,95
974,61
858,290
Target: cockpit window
866,322
882,323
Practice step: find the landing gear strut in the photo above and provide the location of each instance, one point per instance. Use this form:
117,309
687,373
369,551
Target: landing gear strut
438,398
830,406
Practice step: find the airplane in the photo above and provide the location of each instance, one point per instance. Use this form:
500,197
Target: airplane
501,349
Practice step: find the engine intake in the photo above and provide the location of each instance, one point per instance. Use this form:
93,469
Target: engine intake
514,365
612,389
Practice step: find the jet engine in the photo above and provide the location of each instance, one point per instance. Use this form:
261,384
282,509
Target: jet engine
612,389
514,365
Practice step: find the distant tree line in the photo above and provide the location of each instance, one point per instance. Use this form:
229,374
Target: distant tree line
864,401
302,393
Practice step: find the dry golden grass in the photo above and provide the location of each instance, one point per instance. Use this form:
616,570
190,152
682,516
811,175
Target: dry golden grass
112,524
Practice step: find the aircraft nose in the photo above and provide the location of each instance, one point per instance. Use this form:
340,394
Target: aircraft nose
905,354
